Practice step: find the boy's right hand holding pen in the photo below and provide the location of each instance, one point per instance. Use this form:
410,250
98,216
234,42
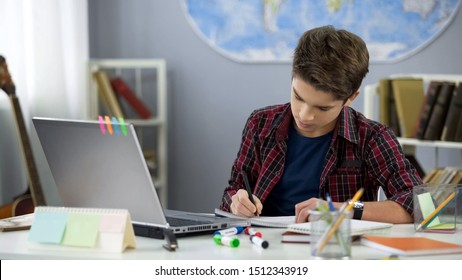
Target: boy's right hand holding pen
244,203
242,206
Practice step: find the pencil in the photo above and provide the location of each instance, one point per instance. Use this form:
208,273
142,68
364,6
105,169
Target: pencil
335,225
249,191
435,213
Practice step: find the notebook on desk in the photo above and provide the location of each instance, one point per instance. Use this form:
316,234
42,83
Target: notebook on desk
98,165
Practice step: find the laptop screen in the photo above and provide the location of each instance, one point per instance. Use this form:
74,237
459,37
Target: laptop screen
95,168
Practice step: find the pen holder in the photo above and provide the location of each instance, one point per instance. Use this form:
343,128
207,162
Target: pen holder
336,247
438,207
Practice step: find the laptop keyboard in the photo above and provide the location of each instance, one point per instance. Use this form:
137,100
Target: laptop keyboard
178,222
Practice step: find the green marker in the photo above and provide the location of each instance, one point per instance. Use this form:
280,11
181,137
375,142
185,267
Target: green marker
226,240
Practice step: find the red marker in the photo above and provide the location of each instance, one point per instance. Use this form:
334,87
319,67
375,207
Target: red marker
251,231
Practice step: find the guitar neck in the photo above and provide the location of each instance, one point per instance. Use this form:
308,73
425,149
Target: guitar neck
28,157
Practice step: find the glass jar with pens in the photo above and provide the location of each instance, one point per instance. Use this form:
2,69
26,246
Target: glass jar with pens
337,246
331,229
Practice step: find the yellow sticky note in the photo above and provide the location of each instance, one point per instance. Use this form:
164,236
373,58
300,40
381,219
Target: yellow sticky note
81,230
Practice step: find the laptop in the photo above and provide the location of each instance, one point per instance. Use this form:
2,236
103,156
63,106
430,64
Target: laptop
95,168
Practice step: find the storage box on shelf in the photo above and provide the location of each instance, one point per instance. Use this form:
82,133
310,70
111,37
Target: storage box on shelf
148,79
371,92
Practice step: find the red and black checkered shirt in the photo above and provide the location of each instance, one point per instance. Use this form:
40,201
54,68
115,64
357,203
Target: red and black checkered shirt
363,154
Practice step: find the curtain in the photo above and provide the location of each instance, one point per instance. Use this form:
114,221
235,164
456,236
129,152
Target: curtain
45,44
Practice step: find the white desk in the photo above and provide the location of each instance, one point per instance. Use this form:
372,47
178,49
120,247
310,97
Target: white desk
14,245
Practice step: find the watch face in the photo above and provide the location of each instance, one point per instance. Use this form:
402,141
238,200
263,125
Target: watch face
358,205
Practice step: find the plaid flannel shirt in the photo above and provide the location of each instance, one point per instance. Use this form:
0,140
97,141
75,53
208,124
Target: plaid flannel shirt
362,153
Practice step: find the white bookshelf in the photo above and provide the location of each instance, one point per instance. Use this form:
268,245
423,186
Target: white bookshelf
158,122
370,104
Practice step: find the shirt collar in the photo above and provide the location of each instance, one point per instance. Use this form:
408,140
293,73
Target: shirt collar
347,126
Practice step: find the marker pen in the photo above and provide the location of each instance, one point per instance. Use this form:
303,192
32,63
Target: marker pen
230,231
251,231
226,240
259,241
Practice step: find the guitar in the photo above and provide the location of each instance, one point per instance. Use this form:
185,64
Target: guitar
25,203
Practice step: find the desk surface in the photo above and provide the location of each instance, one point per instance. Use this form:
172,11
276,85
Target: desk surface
14,245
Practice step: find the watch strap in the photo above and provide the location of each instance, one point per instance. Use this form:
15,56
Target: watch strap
358,208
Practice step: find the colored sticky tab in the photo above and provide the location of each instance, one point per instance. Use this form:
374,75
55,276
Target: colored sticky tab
427,207
108,124
113,223
122,126
81,230
48,227
101,124
115,124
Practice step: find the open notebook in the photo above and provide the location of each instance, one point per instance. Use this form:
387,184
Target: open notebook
358,227
263,221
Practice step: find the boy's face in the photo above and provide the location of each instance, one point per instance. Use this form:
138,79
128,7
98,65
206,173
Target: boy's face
315,112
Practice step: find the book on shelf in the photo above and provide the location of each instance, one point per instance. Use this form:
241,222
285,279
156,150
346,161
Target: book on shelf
429,176
407,93
439,113
151,160
411,246
387,108
447,175
122,89
454,116
427,108
107,94
384,101
263,221
458,134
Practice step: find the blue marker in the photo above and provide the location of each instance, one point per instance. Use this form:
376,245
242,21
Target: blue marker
230,231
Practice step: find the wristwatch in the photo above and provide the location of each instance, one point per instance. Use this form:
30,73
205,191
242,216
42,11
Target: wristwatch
358,208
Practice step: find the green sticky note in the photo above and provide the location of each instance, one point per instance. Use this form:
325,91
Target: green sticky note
427,207
81,230
48,227
442,226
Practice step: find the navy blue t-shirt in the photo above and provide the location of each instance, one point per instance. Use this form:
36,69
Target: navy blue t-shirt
300,181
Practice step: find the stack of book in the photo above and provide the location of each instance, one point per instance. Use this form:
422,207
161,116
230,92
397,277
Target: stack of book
446,175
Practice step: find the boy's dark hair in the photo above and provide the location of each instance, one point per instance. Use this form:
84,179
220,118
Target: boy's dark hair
331,60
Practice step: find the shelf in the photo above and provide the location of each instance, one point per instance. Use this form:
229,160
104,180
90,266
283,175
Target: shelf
409,144
433,144
149,122
141,71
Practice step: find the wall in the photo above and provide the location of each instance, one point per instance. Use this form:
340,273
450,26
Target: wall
210,97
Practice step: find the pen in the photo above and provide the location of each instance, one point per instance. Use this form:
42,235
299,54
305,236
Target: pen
249,191
226,240
336,224
259,241
329,202
230,231
435,213
251,231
